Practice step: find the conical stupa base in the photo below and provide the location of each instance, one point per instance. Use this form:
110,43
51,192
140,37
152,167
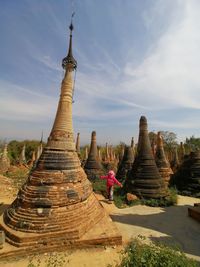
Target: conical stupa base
55,206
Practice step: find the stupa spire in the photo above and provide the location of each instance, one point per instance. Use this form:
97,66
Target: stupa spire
69,61
62,132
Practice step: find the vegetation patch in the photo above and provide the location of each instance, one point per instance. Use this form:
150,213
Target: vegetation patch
18,176
140,254
121,200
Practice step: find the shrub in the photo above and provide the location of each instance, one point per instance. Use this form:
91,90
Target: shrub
121,200
139,254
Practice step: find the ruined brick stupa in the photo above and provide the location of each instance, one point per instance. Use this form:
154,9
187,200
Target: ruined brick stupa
144,179
126,163
194,179
175,163
161,160
22,157
78,150
4,160
93,167
56,207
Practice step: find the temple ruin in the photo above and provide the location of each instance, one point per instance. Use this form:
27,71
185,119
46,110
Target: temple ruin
93,167
56,207
126,164
144,179
161,160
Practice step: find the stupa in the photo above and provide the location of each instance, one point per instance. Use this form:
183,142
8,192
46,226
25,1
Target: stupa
22,157
56,207
93,167
181,152
187,178
126,164
4,160
161,161
107,154
144,179
78,144
194,178
175,161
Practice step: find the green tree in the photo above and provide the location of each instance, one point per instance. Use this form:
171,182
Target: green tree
192,143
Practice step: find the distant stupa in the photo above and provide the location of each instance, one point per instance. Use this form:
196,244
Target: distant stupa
4,160
144,179
181,152
175,163
126,164
161,160
93,167
56,207
22,157
78,150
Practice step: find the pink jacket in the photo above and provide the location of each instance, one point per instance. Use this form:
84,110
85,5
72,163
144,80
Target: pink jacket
111,180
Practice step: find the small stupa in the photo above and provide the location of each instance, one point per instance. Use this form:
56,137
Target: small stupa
181,152
153,147
99,155
126,164
22,157
194,178
107,154
33,159
133,145
56,207
78,150
175,163
4,160
93,167
161,160
144,179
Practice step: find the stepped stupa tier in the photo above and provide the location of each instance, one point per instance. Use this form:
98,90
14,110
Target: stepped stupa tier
126,163
187,177
161,160
194,178
56,206
144,179
93,167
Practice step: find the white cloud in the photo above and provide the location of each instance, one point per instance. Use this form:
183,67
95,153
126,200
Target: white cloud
18,103
169,75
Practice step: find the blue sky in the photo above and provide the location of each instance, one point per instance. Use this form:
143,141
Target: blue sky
135,57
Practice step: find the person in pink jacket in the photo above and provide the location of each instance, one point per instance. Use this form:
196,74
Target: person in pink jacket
111,181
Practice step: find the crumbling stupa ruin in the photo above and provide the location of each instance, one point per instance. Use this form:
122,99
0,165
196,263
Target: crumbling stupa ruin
22,157
161,160
4,160
56,207
175,161
144,179
126,164
93,167
187,178
78,150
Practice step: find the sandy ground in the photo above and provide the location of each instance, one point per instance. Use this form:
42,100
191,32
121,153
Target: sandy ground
170,225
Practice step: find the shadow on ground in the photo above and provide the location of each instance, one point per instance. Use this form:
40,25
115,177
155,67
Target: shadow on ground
181,230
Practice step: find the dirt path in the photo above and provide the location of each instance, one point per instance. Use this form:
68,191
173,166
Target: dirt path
170,225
